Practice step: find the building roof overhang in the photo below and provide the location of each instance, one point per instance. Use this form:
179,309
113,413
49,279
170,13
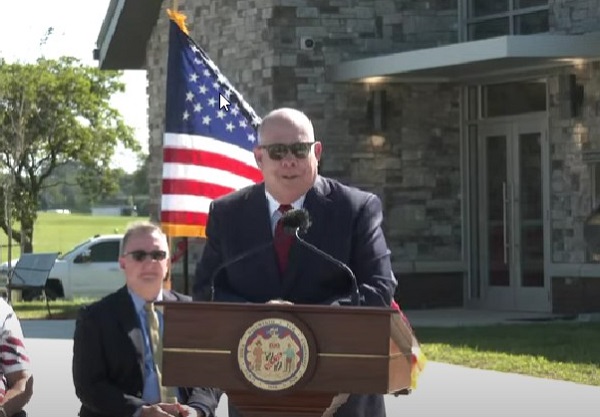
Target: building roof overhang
473,60
125,32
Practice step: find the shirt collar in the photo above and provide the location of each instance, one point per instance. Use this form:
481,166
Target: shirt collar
274,204
139,302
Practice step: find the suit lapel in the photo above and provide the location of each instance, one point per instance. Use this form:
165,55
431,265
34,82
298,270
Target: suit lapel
319,208
130,324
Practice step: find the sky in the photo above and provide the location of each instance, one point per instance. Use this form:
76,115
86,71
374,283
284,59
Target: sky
76,27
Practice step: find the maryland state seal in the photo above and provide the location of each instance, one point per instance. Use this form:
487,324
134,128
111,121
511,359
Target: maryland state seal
273,354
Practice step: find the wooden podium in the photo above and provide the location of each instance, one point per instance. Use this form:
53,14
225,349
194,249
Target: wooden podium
277,360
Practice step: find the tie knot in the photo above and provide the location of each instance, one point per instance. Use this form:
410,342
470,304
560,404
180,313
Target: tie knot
284,207
149,307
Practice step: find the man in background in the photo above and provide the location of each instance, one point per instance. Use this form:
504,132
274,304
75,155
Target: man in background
346,223
115,369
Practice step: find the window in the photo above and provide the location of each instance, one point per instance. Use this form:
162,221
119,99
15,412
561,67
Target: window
487,19
506,99
105,252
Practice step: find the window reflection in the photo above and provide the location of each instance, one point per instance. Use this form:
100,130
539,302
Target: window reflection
487,19
509,99
487,7
527,24
488,29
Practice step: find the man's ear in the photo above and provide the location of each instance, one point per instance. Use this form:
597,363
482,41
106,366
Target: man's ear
121,262
318,148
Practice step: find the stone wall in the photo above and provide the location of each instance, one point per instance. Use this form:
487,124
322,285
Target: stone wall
570,175
574,16
258,45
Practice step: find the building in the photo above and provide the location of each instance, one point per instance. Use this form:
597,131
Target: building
477,123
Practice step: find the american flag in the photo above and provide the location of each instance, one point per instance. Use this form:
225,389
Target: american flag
207,148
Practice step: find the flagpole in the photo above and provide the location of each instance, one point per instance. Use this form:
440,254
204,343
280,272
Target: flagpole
185,259
168,282
186,272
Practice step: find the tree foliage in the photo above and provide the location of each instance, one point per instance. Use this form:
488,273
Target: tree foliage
52,113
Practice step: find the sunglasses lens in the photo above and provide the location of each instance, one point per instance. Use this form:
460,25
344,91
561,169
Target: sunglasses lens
277,151
158,255
140,255
300,150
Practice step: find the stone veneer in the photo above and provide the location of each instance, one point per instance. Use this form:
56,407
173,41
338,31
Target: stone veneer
256,44
570,175
416,168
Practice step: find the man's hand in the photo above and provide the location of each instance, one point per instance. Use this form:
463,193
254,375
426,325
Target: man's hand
159,410
180,410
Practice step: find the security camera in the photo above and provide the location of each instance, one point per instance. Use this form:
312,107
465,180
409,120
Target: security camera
307,43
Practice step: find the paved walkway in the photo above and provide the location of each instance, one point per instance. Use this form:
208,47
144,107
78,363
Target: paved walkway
444,390
464,317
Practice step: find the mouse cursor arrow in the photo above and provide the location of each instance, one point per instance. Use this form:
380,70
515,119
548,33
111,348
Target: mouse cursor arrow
223,102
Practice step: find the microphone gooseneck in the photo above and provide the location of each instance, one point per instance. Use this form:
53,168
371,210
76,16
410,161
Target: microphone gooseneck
232,261
298,221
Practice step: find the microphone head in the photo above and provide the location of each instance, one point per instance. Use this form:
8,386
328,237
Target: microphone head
296,219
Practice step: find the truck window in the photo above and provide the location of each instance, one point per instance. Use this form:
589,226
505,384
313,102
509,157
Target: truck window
75,249
105,252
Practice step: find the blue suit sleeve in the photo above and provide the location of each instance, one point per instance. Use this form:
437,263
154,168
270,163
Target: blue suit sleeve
371,258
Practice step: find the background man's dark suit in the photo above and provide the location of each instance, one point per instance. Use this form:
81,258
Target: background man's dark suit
345,223
108,359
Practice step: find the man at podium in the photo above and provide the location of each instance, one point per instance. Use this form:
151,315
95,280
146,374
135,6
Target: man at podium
249,257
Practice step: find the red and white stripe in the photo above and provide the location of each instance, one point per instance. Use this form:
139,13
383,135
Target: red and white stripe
196,170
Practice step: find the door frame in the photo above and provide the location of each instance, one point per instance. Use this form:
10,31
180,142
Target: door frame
515,296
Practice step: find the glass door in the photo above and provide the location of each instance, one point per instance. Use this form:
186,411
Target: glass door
511,216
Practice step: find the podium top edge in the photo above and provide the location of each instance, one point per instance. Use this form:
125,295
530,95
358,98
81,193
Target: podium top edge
290,308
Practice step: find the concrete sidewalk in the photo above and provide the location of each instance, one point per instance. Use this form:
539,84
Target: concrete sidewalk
444,390
452,317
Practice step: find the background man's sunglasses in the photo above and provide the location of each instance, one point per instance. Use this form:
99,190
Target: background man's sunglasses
278,151
141,255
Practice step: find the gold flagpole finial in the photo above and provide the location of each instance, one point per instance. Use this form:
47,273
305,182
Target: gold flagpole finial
178,18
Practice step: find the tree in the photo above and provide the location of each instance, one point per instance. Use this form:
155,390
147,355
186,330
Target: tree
140,177
55,112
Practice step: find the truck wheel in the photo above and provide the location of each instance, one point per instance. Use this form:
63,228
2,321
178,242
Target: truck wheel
54,290
32,294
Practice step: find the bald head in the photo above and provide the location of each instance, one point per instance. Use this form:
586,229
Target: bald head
287,154
287,117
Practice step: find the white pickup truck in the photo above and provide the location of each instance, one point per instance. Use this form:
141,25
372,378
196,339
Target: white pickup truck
90,269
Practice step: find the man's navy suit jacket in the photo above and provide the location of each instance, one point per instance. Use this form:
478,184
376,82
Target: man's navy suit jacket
346,223
108,359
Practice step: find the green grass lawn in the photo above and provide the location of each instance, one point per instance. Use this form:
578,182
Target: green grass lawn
59,309
567,351
55,232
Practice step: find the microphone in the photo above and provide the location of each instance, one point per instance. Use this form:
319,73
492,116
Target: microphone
232,261
297,221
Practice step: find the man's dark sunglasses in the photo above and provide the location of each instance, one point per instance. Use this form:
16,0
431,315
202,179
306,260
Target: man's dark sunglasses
141,255
278,151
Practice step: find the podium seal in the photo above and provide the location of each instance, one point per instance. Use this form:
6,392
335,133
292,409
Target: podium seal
273,354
